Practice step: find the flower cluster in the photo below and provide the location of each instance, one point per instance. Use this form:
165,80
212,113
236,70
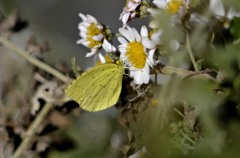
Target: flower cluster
93,35
171,38
172,6
137,50
129,11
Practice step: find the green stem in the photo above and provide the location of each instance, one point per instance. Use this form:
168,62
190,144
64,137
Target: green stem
32,130
187,137
46,109
33,60
179,113
189,49
169,70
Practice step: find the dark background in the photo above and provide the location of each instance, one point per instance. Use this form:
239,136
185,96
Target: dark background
56,21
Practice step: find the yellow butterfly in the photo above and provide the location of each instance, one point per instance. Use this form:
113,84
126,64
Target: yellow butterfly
98,88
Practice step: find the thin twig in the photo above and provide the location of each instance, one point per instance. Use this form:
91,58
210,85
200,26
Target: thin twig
32,130
189,49
169,70
75,68
179,113
199,72
164,69
46,109
33,60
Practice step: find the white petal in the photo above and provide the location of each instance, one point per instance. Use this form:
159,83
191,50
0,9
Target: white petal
148,44
125,18
132,72
82,28
101,58
122,57
132,6
133,15
85,43
136,35
80,41
82,16
126,34
122,46
140,76
150,59
231,13
91,19
99,26
121,15
146,77
144,31
122,49
98,37
84,24
83,34
108,47
145,73
160,3
217,7
122,40
131,32
93,52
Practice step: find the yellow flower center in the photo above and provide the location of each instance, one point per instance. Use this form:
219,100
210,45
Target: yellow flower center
136,54
93,30
173,6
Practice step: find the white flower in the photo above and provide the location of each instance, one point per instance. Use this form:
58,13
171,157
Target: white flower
216,6
172,6
176,8
93,36
129,11
137,53
91,33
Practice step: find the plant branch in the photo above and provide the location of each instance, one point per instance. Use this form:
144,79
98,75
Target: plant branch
33,60
32,130
189,49
46,109
169,70
160,68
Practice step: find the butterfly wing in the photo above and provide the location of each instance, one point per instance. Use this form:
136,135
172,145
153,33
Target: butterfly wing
98,88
